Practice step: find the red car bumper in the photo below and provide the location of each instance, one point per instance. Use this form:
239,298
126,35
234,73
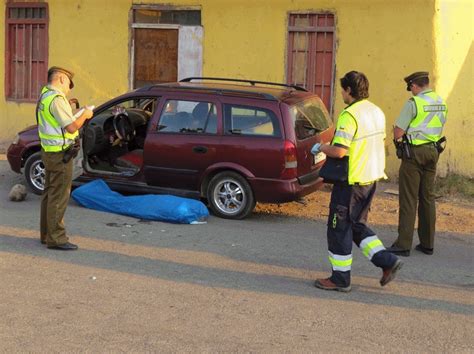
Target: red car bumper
14,154
282,191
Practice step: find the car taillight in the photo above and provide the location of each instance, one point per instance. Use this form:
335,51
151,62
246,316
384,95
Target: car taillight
291,161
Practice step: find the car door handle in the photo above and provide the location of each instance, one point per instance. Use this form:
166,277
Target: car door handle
200,149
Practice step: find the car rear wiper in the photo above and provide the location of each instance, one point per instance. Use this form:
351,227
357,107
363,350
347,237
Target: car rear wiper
311,130
190,130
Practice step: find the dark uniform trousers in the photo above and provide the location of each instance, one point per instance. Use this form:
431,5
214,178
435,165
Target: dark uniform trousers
57,188
348,213
416,184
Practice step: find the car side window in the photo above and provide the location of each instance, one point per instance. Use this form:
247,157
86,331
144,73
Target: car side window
139,110
181,116
247,120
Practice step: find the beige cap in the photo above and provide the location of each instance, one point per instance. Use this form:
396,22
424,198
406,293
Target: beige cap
57,69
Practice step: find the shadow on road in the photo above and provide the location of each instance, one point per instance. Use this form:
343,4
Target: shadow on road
225,278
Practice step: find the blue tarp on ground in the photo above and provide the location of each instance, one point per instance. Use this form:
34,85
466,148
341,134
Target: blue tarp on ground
97,195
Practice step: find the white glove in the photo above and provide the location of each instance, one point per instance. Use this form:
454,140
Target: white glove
316,149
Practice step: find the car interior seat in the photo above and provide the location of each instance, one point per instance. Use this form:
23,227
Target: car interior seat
199,114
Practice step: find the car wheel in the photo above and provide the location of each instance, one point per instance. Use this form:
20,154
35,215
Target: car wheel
35,173
230,196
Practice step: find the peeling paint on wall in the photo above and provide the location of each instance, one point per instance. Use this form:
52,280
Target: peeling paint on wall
190,51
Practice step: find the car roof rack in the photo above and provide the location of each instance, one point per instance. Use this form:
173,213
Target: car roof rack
219,91
251,82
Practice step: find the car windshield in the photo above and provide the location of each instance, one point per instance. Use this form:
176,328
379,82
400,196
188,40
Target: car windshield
309,117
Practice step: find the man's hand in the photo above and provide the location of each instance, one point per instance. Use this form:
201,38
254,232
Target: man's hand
397,133
316,149
88,113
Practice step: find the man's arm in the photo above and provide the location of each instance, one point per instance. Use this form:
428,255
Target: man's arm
404,119
335,151
346,127
79,122
61,110
397,133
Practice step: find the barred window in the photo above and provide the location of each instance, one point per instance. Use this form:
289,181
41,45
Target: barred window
26,54
311,59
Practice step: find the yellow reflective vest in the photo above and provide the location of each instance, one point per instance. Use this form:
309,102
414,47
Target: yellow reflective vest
367,149
427,126
53,137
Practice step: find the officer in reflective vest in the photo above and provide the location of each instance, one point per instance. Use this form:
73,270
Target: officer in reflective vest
421,121
360,135
57,129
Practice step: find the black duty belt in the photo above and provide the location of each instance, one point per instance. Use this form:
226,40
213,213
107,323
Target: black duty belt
431,143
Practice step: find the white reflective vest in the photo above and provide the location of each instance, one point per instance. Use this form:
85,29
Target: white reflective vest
367,150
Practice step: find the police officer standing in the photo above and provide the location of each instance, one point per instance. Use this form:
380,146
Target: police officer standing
420,124
58,129
360,135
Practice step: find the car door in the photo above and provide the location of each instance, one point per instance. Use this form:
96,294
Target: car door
77,165
182,143
253,137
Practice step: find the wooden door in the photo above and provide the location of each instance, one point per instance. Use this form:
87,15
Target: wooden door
155,56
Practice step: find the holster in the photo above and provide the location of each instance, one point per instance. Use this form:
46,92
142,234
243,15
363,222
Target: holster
403,148
441,144
72,151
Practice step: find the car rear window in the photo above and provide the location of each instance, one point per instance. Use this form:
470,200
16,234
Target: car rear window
309,117
249,120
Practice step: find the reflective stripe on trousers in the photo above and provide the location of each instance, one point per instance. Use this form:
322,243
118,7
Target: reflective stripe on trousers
341,263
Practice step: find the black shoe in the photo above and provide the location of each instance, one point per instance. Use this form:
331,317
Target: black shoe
389,274
398,251
68,246
424,249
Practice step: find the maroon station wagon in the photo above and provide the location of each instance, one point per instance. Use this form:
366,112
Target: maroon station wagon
229,142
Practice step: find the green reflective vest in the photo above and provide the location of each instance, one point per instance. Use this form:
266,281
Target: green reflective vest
427,126
367,149
53,137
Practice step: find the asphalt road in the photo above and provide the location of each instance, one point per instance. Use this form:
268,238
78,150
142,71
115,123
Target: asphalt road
223,286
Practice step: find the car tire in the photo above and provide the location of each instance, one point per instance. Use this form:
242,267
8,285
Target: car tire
34,173
230,196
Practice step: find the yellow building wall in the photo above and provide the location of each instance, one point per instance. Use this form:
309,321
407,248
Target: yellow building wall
13,116
248,39
455,73
89,37
386,41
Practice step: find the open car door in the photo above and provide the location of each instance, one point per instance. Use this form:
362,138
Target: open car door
77,168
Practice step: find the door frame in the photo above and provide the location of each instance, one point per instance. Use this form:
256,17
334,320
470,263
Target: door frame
132,26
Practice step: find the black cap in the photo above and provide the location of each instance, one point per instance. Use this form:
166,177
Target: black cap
416,75
57,69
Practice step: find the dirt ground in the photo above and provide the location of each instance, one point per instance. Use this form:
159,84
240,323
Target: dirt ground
454,215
